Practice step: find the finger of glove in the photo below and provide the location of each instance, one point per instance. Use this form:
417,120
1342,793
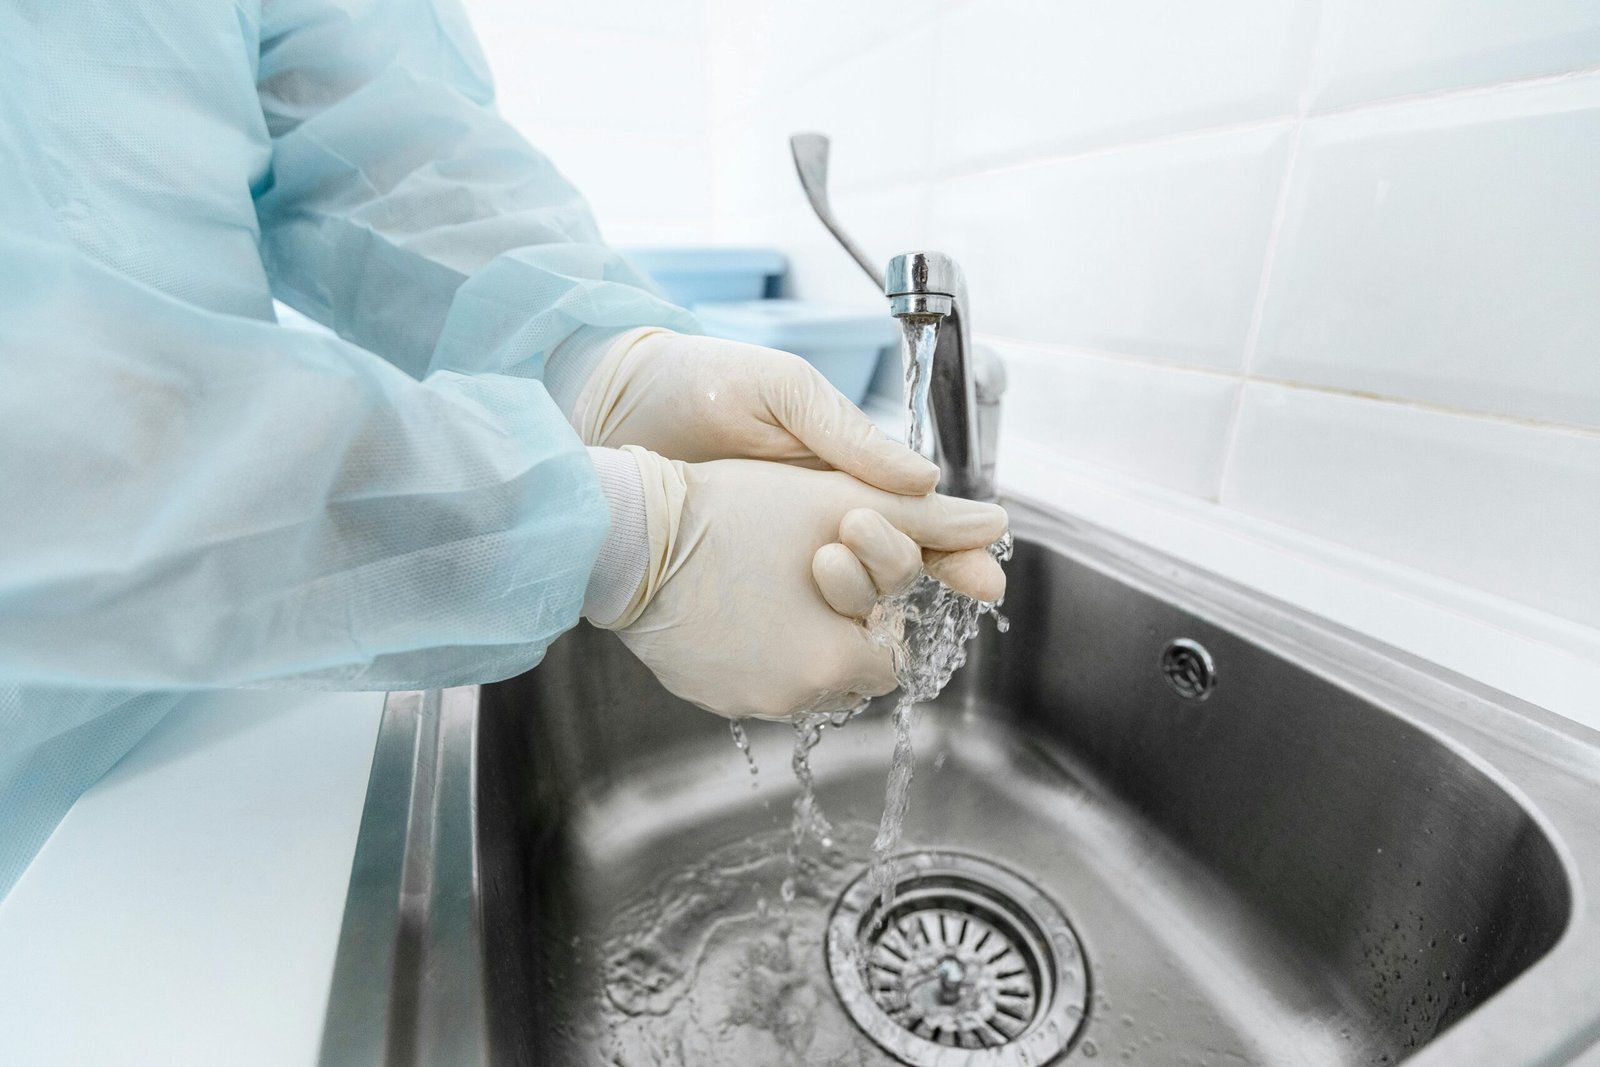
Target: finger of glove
823,420
973,572
944,523
843,581
892,559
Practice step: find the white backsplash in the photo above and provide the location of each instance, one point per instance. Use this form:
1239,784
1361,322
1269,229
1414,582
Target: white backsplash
1330,268
1308,292
616,93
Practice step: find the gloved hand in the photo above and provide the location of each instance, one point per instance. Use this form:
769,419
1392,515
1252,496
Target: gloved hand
701,398
759,575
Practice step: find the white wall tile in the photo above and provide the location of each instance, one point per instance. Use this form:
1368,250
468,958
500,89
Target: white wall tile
883,222
1154,251
585,77
1508,508
615,93
761,48
873,141
661,19
1370,49
1441,250
1448,251
1160,424
753,174
630,177
1036,76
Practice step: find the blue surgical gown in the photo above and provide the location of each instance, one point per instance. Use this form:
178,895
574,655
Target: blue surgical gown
192,496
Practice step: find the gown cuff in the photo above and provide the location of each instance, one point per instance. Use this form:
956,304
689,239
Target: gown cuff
625,552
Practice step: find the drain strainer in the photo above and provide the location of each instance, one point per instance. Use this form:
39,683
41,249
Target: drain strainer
966,956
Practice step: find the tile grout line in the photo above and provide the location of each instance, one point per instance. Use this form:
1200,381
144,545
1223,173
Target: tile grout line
1269,259
1315,547
982,168
1106,355
1305,113
1528,81
1280,210
803,83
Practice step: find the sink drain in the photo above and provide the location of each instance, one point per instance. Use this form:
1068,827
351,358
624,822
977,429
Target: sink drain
966,956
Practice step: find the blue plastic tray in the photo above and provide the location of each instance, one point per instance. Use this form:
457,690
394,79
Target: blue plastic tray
690,276
844,345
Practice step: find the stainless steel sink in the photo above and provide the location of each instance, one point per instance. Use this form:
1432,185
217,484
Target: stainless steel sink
1274,842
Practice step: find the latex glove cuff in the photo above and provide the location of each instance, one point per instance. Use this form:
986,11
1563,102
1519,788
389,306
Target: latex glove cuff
571,366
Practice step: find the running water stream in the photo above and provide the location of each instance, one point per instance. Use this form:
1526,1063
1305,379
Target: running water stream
700,967
927,629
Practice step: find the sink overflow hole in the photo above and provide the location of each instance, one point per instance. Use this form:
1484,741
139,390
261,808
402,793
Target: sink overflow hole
1188,669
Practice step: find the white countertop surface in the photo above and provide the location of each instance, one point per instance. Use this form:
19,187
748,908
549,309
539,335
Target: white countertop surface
188,908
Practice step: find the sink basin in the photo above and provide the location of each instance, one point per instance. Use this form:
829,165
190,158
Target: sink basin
1262,840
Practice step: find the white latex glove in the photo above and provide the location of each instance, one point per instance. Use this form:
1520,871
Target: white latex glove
701,398
751,602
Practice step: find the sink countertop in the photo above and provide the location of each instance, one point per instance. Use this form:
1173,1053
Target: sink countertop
188,908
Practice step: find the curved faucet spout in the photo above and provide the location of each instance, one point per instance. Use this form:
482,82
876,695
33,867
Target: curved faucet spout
928,288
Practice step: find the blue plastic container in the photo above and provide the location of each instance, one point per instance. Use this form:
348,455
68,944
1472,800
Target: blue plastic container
843,345
692,276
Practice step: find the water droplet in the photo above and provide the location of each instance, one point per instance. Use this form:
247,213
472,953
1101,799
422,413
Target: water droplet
1090,1049
741,741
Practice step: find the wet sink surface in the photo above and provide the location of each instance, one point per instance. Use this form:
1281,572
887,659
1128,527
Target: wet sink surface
1180,972
1337,857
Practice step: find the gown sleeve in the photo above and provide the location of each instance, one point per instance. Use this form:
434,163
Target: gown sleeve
402,212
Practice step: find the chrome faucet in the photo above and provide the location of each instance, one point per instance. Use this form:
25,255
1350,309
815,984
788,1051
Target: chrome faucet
928,289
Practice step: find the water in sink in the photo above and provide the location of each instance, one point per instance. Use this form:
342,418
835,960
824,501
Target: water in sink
708,966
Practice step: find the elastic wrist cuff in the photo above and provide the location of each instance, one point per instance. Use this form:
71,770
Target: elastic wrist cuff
625,553
572,363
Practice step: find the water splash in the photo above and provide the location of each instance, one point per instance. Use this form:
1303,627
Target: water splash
741,741
699,968
927,630
807,819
